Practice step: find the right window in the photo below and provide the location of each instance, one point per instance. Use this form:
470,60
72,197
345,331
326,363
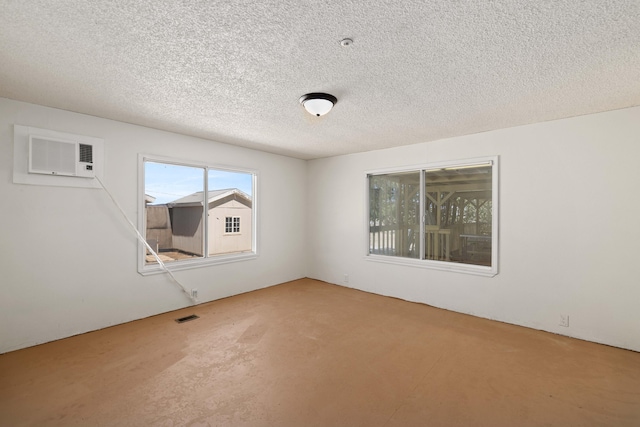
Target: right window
440,215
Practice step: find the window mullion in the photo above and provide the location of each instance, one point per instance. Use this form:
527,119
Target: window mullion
205,214
422,213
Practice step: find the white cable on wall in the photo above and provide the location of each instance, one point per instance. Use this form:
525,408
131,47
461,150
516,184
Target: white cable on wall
144,242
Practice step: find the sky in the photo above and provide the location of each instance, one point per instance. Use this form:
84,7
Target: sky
167,182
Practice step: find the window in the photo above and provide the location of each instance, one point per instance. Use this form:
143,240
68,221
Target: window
440,216
191,214
232,224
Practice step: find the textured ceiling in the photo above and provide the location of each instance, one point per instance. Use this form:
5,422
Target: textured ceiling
233,71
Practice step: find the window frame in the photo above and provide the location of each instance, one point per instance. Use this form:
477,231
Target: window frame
420,262
207,260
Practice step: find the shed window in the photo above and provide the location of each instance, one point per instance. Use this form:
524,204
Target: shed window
188,211
441,215
232,224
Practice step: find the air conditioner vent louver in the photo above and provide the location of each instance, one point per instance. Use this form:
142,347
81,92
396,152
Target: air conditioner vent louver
86,153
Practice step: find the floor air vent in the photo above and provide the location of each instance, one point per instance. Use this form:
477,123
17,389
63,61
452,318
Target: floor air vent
187,318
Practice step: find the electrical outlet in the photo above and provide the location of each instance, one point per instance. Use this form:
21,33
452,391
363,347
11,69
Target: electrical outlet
346,278
564,321
194,293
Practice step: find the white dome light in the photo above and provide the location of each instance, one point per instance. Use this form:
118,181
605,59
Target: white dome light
318,104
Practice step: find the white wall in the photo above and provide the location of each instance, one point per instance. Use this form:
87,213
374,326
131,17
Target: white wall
569,227
569,232
68,260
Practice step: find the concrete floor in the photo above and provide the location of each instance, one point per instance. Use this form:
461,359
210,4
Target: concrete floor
307,353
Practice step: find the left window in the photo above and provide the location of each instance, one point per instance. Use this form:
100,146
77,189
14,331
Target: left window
191,214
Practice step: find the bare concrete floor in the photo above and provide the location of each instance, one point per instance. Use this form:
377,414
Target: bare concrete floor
308,353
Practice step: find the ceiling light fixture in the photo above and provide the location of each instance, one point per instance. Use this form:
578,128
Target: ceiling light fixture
318,104
346,42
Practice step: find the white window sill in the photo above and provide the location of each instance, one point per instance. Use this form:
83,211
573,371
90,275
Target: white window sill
477,270
150,269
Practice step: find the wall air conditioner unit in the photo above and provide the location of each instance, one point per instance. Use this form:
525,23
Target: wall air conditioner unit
50,156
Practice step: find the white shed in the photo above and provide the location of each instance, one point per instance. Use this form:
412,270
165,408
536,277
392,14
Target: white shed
229,221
